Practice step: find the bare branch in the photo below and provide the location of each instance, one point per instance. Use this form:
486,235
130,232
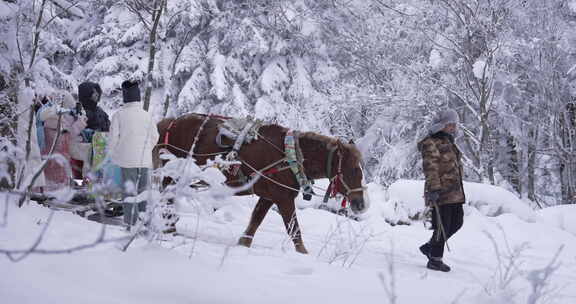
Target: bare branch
36,42
65,10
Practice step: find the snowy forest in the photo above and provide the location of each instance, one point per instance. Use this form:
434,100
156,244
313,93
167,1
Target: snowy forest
372,71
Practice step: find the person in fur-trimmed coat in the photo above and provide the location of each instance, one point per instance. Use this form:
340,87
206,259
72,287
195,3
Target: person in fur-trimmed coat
58,116
443,190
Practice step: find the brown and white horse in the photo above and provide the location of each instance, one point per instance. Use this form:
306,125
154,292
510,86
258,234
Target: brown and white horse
323,157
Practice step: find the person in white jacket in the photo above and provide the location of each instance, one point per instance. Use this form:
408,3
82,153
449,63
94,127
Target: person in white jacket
133,135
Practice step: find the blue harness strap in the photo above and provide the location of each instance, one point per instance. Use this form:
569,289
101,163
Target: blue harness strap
293,158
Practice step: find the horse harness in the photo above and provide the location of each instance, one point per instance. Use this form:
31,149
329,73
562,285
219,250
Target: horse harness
294,160
234,170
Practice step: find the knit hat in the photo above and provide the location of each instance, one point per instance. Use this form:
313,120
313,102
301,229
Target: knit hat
442,119
130,91
67,100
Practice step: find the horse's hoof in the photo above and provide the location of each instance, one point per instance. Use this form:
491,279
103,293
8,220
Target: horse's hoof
244,241
301,249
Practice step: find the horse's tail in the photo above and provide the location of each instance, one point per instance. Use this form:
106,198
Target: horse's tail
162,126
156,161
158,148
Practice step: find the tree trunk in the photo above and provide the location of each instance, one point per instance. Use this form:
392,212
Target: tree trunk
567,183
37,29
513,165
158,8
166,105
531,165
567,154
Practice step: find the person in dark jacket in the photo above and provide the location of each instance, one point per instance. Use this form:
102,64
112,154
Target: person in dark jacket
96,133
443,189
89,94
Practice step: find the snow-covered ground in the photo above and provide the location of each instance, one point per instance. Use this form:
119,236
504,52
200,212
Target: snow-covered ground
349,261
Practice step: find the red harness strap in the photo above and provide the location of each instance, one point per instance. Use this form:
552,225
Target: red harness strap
336,184
267,172
344,201
271,171
335,187
167,136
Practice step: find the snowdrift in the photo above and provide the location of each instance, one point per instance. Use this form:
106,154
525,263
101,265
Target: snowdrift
403,201
563,217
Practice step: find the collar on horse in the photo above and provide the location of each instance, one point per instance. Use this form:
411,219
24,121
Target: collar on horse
295,160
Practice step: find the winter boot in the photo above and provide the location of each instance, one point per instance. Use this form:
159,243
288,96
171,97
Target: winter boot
114,209
425,249
438,265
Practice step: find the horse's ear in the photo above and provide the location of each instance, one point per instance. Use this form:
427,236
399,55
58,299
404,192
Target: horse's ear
351,142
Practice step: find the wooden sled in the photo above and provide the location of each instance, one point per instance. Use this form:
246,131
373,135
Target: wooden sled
84,205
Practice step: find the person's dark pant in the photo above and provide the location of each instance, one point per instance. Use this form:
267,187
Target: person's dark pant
135,181
452,217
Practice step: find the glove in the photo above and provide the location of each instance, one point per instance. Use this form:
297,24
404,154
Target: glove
64,111
432,197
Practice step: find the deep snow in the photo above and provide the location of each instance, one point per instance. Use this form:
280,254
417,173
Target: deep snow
349,261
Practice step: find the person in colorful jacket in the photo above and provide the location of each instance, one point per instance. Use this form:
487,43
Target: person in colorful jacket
57,115
133,135
443,190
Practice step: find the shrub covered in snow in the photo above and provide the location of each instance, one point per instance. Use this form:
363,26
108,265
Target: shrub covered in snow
403,201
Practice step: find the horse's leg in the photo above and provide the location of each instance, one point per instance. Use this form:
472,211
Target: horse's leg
288,211
169,214
258,215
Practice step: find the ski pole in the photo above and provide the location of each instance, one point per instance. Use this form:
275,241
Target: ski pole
442,231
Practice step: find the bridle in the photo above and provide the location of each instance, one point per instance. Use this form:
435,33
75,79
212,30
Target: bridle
337,180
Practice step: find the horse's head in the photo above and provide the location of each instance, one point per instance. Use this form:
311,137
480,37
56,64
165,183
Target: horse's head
347,177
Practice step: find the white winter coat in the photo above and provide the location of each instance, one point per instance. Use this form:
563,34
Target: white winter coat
133,135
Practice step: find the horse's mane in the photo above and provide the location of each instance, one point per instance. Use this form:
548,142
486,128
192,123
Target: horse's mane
331,142
325,140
